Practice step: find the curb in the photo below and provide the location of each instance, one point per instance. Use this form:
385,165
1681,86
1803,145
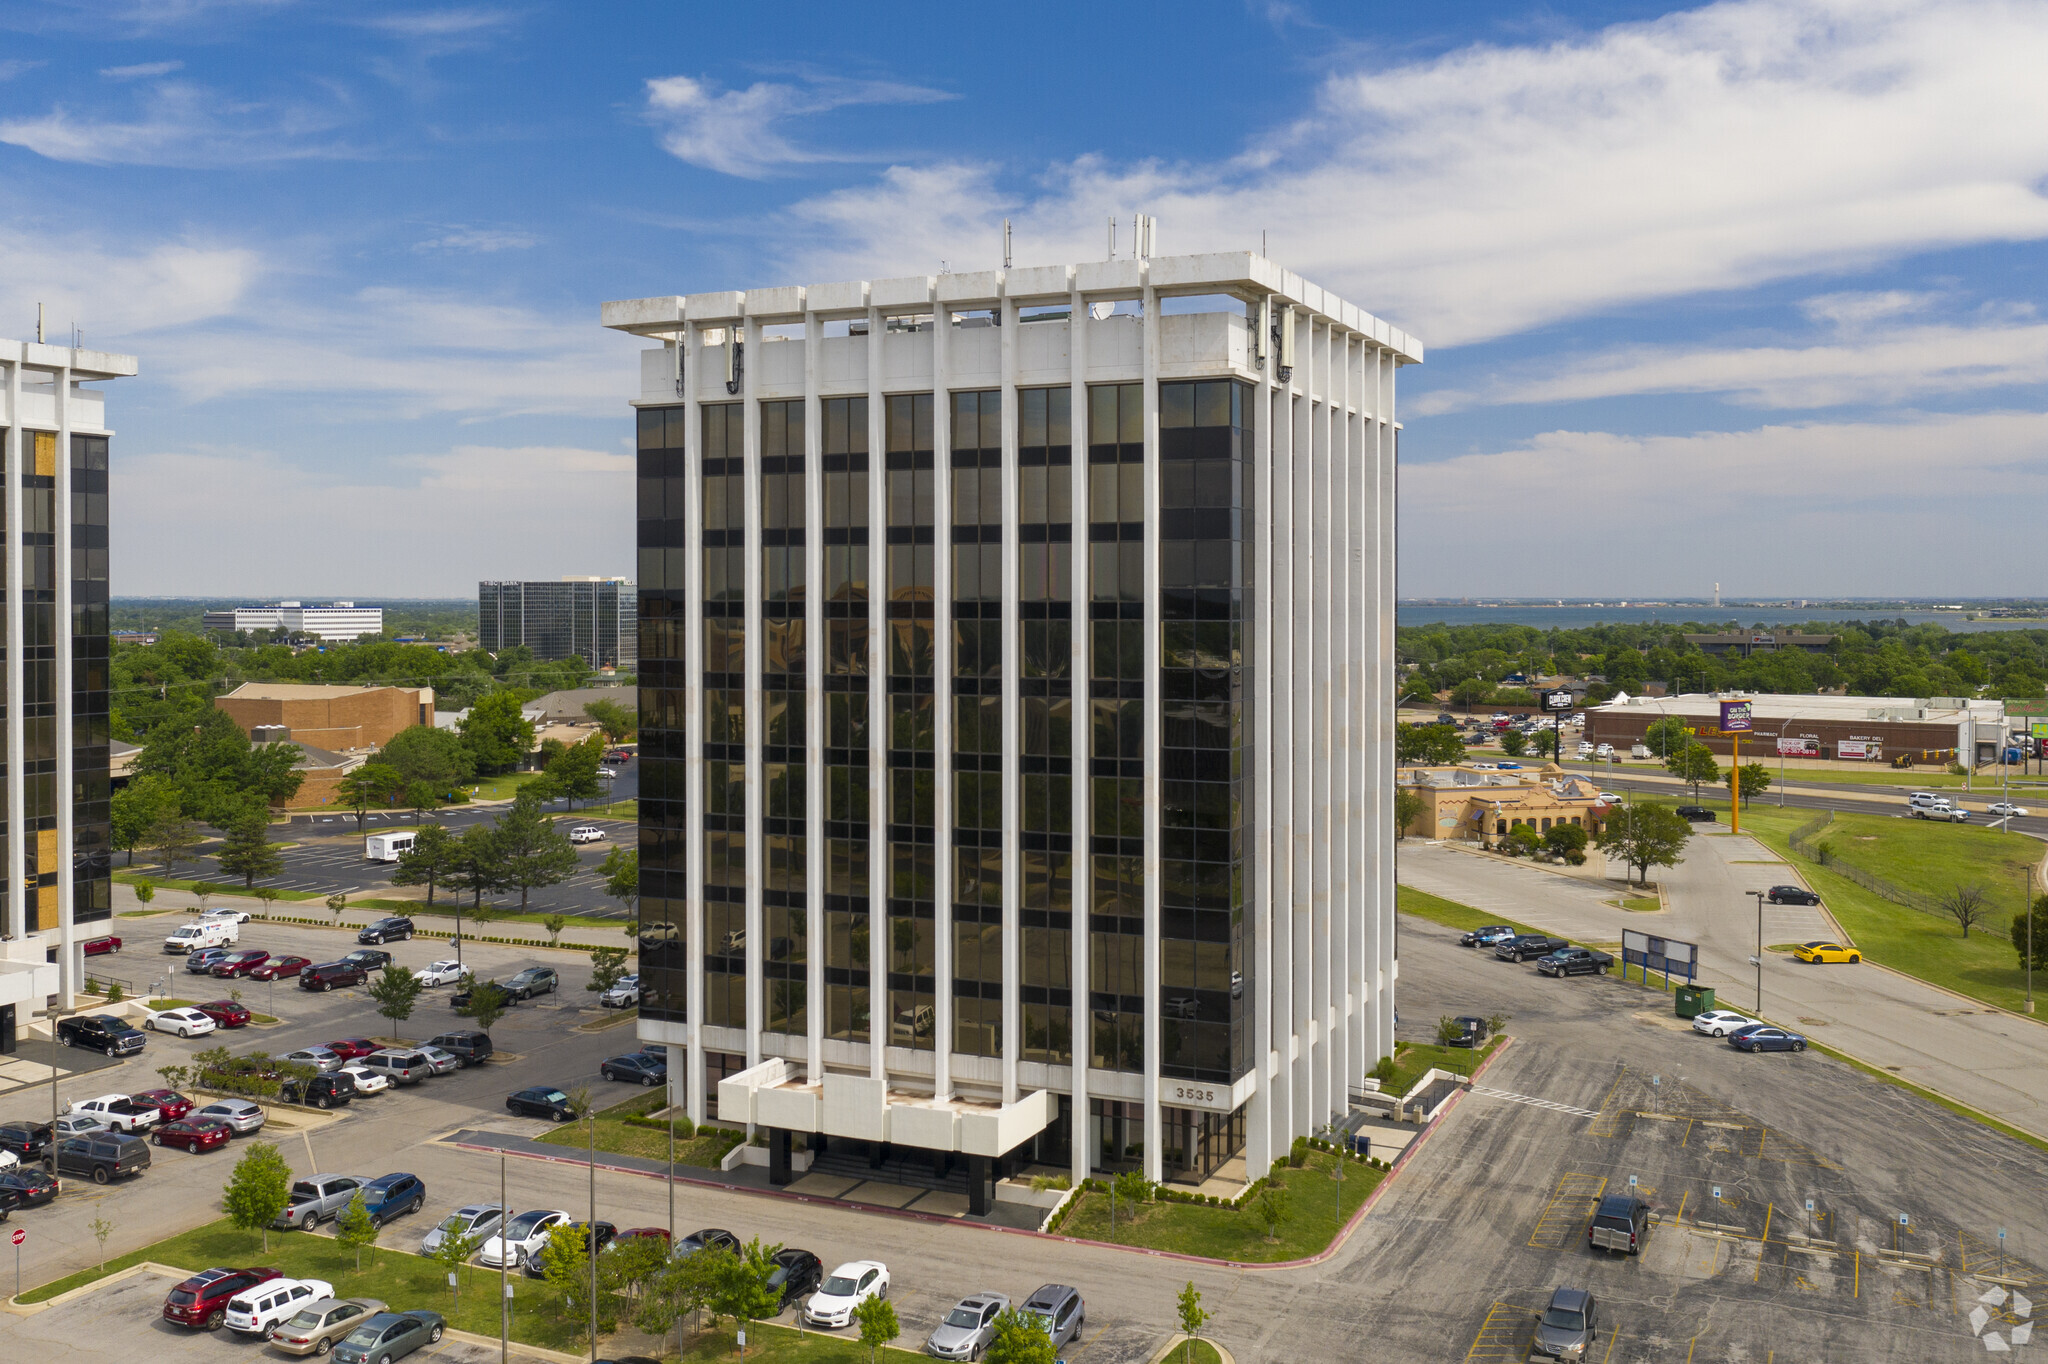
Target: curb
1164,1354
29,1309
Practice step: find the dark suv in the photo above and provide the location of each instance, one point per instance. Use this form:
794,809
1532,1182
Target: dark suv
1697,814
202,1300
321,1091
104,1156
1524,946
103,1034
534,980
394,929
1622,1223
331,975
468,1047
389,1196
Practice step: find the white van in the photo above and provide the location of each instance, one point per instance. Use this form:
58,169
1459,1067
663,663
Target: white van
387,847
1924,800
205,933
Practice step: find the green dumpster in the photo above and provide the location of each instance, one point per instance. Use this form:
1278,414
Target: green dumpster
1694,1000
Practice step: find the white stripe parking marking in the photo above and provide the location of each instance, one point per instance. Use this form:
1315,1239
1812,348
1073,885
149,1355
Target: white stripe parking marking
1535,1102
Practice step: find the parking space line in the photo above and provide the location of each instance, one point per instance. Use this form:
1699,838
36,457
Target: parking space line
1569,1205
1500,1335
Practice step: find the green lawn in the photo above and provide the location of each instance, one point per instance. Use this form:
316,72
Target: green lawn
1235,1233
1412,1060
1450,913
704,1148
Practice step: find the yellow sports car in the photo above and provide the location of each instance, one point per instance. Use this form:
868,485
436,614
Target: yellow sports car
1820,952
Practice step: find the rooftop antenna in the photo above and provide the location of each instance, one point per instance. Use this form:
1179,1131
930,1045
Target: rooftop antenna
1006,243
39,324
1112,237
1262,241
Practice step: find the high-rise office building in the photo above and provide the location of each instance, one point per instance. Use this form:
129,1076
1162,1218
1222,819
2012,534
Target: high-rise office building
1016,712
54,834
561,618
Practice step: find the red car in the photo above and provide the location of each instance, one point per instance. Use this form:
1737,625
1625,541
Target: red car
202,1300
170,1104
629,1233
194,1134
279,968
353,1048
100,947
225,1013
240,963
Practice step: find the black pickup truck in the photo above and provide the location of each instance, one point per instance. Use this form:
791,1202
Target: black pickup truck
1574,961
1523,946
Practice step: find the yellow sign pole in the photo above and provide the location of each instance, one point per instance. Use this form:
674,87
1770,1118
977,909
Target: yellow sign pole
1735,781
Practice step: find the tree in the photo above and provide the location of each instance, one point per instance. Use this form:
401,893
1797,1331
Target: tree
1756,779
1019,1338
355,1229
474,865
1192,1314
1667,736
419,797
101,1228
1967,905
455,1249
1514,743
336,903
1694,763
2038,912
268,896
607,967
744,1294
1644,835
1434,745
621,872
616,721
1565,839
213,767
432,858
144,893
554,924
1408,808
531,851
877,1322
1272,1205
573,771
565,1262
1546,743
1523,840
488,1001
632,1266
369,787
257,1190
1471,692
395,991
438,757
172,839
497,735
247,851
136,809
683,1287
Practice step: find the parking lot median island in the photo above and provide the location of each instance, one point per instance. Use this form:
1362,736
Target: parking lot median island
1308,1217
626,1129
1413,1060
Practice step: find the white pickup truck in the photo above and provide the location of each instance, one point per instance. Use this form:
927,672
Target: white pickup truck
120,1112
1940,810
205,933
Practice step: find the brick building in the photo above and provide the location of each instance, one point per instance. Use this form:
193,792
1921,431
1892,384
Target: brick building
1940,729
337,718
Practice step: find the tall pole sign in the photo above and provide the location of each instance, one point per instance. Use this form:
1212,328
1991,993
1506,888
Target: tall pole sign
1735,722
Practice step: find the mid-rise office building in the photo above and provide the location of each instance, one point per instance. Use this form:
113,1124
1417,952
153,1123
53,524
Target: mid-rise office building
1016,712
594,618
338,620
54,834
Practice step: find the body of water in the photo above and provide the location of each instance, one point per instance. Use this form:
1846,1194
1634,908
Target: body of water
1771,617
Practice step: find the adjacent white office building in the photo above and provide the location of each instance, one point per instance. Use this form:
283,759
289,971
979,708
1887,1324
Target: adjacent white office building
337,620
1016,667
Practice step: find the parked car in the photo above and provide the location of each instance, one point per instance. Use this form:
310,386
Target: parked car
366,1081
107,944
203,934
316,1199
1060,1309
322,1091
1526,946
202,961
31,1186
226,1013
1820,953
534,980
352,1048
1720,1022
315,1328
103,1156
389,1196
1567,1327
399,1065
79,1125
225,913
193,1134
1574,961
1622,1223
623,994
236,964
636,1068
325,1059
396,928
240,1115
533,1263
1792,895
796,1273
368,959
280,968
541,1101
586,833
1763,1037
119,1112
528,1231
480,1220
468,1046
28,1140
447,972
202,1300
844,1289
1487,936
1696,814
170,1105
389,1336
332,975
2003,809
181,1022
442,1061
254,1311
704,1239
459,998
966,1330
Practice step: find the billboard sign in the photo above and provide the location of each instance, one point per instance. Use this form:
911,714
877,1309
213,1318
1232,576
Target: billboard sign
1735,717
2040,728
1558,700
1868,749
1804,746
1669,955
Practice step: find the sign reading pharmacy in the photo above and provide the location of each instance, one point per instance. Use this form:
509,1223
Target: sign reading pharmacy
1735,717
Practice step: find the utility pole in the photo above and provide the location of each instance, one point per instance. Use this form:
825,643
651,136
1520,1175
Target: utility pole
504,1261
1758,960
590,1232
53,1013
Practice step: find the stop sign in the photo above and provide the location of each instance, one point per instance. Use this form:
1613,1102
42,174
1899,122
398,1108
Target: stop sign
20,1235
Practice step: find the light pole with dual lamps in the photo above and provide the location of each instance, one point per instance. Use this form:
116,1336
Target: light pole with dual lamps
1758,960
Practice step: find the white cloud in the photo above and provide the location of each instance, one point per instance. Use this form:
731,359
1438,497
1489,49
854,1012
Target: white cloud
445,520
141,70
1854,311
114,290
181,124
735,132
1856,508
1496,189
15,66
476,239
439,26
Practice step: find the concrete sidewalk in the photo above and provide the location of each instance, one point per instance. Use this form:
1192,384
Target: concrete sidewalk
1981,1056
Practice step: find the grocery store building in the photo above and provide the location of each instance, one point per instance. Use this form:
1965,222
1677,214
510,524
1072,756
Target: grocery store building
1933,730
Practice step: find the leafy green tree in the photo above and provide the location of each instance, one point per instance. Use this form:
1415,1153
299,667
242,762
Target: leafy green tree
1472,692
395,990
621,872
1545,743
1523,840
488,1001
172,839
257,1190
1644,835
369,787
617,722
213,766
1667,736
431,859
456,1247
355,1229
336,903
744,1294
554,924
136,809
684,1287
878,1325
1434,745
607,967
419,797
1514,743
475,866
1019,1338
2038,912
573,771
247,851
565,1260
631,1266
532,853
1193,1315
144,893
1695,764
1565,839
1756,779
430,754
497,735
1408,808
1273,1205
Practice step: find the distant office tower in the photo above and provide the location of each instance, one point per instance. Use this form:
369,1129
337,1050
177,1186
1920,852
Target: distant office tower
561,618
53,514
337,620
1017,712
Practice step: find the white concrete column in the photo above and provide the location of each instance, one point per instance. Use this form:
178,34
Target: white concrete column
1012,633
878,707
750,455
1259,1118
693,699
942,702
1154,1134
814,706
1279,693
1301,728
1083,1035
69,959
1322,485
1381,693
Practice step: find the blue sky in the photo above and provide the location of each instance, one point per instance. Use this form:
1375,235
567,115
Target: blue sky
1746,293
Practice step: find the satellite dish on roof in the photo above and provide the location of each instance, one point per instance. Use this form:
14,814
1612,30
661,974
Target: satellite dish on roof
1101,311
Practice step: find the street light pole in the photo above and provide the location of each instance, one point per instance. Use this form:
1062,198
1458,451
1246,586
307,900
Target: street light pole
504,1263
53,1014
1758,960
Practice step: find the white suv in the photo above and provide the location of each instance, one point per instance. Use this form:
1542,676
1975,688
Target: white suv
586,833
266,1305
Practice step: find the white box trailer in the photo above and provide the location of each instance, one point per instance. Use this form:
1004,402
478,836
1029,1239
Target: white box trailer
386,847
